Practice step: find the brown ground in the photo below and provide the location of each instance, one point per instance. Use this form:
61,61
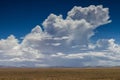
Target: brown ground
59,73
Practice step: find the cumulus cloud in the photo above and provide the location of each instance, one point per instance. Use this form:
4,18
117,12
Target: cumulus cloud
64,42
95,15
79,24
9,46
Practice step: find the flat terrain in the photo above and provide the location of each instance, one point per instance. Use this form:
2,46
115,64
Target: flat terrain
59,73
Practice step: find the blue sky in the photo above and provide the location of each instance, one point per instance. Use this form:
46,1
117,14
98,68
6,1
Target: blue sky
76,33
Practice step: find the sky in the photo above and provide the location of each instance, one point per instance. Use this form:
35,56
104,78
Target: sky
70,33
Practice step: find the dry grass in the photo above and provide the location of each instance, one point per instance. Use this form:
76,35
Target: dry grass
59,74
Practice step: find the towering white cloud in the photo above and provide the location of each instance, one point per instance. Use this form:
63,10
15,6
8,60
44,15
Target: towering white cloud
95,15
64,42
79,25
